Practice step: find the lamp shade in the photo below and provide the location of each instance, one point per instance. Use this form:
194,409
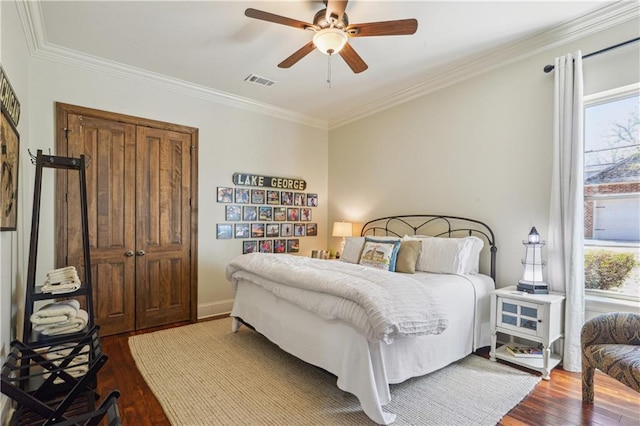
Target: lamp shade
330,40
342,229
533,264
534,237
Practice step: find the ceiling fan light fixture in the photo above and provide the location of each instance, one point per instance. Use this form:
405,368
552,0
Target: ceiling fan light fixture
330,40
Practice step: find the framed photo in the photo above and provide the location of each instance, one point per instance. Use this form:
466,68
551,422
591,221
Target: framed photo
242,196
10,145
223,231
312,200
286,198
225,195
293,246
305,214
293,214
265,213
257,230
273,230
298,199
280,214
249,213
299,230
273,197
286,229
266,246
249,247
279,246
257,196
242,230
232,213
312,229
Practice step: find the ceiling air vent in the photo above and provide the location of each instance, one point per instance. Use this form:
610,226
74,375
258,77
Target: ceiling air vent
260,81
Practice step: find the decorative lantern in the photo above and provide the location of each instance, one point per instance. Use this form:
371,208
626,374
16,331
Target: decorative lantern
532,280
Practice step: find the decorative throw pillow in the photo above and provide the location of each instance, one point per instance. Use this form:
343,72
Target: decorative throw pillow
380,254
352,249
408,255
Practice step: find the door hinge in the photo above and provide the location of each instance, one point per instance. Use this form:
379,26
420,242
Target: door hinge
66,197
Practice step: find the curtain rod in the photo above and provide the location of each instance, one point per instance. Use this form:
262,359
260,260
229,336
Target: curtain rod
549,68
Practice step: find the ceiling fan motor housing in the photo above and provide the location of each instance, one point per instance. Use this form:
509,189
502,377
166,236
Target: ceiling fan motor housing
320,19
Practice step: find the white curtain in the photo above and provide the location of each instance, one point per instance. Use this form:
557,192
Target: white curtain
566,213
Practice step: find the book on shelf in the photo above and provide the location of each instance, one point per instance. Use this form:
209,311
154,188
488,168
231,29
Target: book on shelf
520,351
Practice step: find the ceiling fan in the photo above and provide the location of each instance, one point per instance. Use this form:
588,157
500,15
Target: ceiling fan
332,31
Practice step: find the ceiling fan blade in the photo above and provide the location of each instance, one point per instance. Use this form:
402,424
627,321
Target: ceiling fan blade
385,28
335,10
297,55
352,59
270,17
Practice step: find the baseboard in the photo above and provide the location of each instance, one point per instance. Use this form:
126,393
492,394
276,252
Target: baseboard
206,310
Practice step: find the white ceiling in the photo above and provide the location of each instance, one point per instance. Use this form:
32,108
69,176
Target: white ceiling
213,46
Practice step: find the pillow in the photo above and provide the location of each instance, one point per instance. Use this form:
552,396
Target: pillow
352,249
380,253
445,255
473,263
408,255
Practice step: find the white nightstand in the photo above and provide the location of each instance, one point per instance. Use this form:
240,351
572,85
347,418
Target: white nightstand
534,317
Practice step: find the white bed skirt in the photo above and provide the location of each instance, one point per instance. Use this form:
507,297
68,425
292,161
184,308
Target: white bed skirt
363,368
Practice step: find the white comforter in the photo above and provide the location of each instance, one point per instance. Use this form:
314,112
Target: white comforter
381,305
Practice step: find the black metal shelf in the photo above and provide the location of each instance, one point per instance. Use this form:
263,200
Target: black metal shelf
34,293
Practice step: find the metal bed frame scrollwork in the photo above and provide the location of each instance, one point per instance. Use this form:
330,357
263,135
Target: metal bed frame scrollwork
434,226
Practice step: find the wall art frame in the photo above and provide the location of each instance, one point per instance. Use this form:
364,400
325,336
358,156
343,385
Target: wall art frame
225,194
249,247
224,231
10,150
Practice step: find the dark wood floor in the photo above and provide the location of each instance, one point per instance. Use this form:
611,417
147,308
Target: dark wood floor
554,402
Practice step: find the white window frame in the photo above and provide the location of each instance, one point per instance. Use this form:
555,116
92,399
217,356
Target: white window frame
599,301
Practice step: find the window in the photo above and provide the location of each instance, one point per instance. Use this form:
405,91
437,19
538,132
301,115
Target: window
612,193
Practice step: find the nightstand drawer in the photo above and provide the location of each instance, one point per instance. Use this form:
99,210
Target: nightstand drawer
516,315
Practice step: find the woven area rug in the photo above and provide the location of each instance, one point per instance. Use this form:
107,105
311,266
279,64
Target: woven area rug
203,374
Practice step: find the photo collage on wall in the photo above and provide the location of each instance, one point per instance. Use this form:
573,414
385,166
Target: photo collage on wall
268,221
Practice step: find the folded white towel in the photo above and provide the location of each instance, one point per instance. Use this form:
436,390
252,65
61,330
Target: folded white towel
64,270
72,325
75,371
56,312
58,354
61,287
64,274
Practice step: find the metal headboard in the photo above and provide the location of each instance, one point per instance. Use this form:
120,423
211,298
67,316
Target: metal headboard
435,226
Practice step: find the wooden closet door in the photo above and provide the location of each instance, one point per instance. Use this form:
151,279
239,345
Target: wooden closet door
163,192
109,147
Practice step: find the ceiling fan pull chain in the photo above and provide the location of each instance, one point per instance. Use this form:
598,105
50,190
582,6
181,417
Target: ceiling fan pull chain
329,71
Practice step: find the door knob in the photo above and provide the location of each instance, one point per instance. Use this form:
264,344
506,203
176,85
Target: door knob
128,253
140,253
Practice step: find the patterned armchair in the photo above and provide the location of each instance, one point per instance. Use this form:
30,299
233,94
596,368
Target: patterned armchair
611,343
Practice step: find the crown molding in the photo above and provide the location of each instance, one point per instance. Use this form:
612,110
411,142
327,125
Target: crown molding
599,20
31,16
620,12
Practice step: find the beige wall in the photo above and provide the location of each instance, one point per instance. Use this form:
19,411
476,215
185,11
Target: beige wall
480,148
230,140
14,57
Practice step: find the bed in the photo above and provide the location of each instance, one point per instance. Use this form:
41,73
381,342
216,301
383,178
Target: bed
365,345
